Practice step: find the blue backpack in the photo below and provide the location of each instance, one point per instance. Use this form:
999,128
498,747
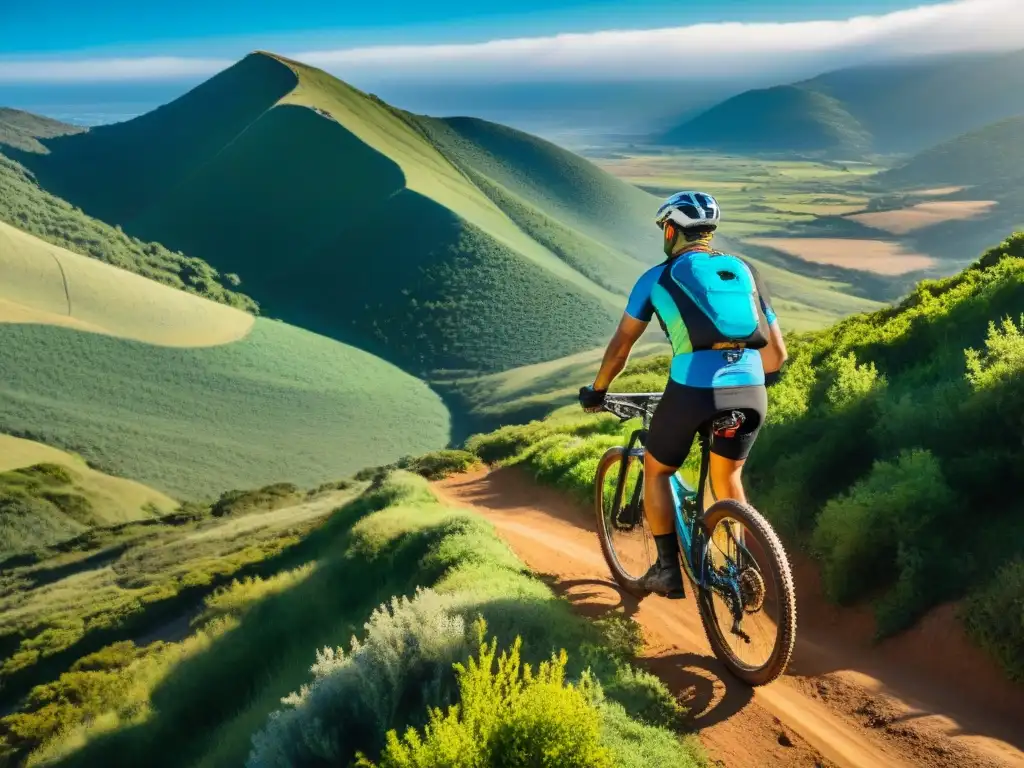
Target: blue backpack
723,289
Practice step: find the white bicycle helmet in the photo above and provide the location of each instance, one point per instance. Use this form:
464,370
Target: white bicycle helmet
690,210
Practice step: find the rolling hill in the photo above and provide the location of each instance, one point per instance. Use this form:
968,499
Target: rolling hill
991,154
786,118
896,107
186,395
22,130
440,244
349,217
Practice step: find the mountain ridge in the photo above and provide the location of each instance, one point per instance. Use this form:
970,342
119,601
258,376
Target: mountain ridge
900,107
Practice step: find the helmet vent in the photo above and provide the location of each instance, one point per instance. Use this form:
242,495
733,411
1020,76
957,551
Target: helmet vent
727,275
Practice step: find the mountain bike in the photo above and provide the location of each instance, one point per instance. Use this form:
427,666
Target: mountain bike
729,552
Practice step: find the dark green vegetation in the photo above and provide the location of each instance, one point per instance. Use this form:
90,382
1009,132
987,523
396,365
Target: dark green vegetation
433,466
884,108
25,205
454,244
787,118
282,404
887,436
22,130
201,700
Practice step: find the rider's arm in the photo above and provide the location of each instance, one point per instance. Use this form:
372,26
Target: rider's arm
615,356
773,355
639,311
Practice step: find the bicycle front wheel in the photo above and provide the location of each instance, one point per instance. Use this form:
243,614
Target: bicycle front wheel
748,606
622,530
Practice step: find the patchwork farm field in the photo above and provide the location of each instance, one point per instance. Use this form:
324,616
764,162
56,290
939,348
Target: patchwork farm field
878,256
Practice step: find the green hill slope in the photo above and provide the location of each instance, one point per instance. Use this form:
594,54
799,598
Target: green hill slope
186,395
27,206
887,108
912,105
991,154
780,119
438,244
22,130
339,214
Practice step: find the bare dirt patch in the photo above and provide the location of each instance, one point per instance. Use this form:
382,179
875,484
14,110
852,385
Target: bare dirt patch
878,256
924,215
939,191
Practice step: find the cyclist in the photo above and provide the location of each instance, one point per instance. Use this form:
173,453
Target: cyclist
726,348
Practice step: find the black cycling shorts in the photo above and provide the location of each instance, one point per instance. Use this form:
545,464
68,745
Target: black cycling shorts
684,410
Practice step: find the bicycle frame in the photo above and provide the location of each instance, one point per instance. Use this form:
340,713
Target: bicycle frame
688,503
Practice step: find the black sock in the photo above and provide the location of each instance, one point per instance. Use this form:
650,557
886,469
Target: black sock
668,550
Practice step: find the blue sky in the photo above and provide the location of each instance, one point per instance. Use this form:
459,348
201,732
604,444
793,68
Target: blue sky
370,42
216,27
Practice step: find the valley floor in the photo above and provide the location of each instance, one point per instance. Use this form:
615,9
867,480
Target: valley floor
925,698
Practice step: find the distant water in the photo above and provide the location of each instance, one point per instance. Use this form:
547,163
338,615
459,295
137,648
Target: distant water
89,114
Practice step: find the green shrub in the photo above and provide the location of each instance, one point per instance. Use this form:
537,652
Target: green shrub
994,617
874,534
403,665
440,464
508,715
266,498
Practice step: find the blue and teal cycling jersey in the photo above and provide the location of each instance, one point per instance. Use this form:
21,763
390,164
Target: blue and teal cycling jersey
694,362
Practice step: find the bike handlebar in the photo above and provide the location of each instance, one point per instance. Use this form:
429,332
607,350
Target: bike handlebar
632,405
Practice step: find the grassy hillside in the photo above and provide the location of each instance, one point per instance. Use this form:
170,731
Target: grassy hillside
51,286
280,404
436,584
991,154
139,580
887,431
346,216
565,186
27,206
187,395
884,108
780,119
22,130
47,495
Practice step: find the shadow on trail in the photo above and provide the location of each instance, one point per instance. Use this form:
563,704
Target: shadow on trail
587,602
702,683
710,694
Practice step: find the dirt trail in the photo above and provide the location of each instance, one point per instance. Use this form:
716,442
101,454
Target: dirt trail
927,698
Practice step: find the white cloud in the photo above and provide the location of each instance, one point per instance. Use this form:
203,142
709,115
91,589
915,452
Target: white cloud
105,70
704,51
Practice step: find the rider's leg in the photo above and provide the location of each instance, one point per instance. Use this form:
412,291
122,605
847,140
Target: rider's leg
658,501
664,577
725,476
668,442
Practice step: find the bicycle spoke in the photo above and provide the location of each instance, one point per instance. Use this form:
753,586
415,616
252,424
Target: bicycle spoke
627,533
740,567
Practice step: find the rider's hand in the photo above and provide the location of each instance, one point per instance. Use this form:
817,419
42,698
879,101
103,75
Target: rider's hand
592,399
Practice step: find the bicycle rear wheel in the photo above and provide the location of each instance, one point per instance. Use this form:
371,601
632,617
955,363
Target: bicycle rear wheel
626,543
749,576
